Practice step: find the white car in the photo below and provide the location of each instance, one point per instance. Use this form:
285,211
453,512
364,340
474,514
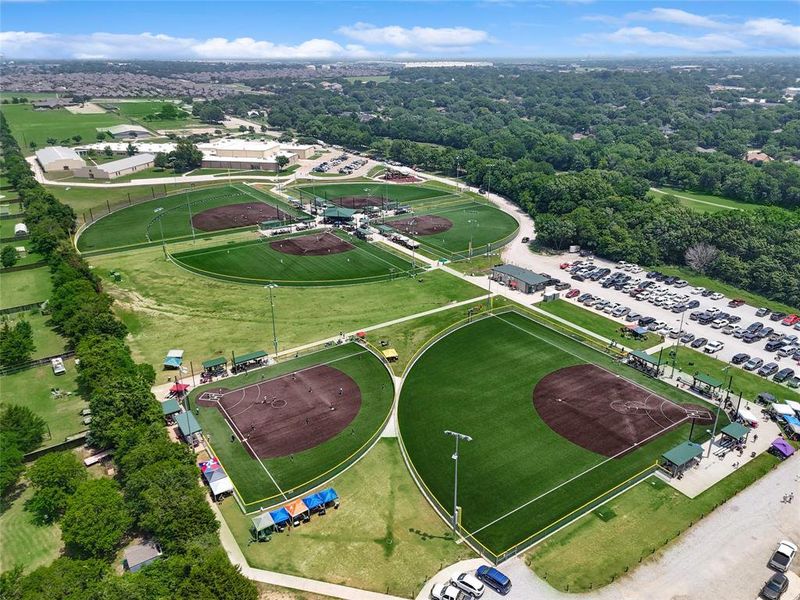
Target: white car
713,347
469,584
717,296
698,290
636,269
445,591
675,333
783,556
719,324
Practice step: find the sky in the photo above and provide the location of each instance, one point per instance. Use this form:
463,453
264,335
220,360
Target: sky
386,29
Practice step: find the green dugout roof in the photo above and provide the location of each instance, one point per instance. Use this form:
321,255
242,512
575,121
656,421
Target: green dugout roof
645,357
170,407
187,424
215,362
708,380
680,455
337,212
249,356
735,430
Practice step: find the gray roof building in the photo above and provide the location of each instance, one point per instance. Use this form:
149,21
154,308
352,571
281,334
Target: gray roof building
140,555
59,158
523,279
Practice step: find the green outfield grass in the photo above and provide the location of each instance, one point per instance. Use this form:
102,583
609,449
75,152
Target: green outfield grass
144,222
25,543
304,470
136,112
256,262
24,287
704,202
385,537
536,477
749,384
28,125
164,305
392,193
594,321
33,387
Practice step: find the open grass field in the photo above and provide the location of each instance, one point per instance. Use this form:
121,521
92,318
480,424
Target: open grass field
536,475
392,193
29,257
150,173
28,125
636,525
267,481
32,388
7,227
749,384
143,223
137,112
385,537
730,291
25,543
260,261
164,305
24,287
704,202
45,338
597,323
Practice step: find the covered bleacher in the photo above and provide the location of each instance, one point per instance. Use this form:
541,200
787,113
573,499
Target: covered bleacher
682,457
705,385
641,361
248,361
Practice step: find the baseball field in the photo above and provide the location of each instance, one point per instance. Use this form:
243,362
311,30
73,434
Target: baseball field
173,217
555,427
284,429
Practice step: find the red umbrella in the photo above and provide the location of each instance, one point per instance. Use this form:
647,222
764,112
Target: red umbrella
361,334
179,387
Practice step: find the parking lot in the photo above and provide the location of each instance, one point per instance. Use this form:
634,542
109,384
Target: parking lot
665,319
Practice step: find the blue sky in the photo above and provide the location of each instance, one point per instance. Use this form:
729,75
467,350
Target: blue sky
298,30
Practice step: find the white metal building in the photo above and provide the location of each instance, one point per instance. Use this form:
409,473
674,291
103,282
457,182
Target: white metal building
120,132
117,168
59,158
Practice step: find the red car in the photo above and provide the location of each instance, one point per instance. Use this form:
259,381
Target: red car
791,320
564,266
736,303
573,292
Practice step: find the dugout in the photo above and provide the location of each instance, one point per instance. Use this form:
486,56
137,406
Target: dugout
169,408
189,427
705,385
337,215
261,527
248,361
215,366
682,457
641,361
517,278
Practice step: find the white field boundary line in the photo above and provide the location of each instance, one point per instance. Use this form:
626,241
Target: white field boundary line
695,199
579,475
378,258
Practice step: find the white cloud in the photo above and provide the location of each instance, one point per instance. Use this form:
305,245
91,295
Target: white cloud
30,44
773,31
642,36
429,38
675,16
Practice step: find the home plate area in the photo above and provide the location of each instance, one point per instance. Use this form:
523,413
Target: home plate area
288,414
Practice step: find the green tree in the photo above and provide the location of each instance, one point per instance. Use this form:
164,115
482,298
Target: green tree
11,466
131,149
186,156
77,138
281,162
54,478
8,256
101,135
51,141
211,113
96,518
16,343
108,151
25,425
170,112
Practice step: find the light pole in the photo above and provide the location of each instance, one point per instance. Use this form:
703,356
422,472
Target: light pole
161,227
677,344
466,438
272,310
189,206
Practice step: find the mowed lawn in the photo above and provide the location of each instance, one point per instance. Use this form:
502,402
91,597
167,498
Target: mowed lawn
46,340
28,125
392,192
165,306
385,537
704,202
304,470
594,321
26,544
137,112
748,383
18,288
256,262
536,477
34,388
142,223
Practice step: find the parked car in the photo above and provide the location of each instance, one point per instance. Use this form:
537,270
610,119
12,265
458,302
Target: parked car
775,586
699,342
620,311
645,321
787,351
572,293
740,358
794,382
692,304
698,290
768,369
777,316
445,591
713,347
526,240
632,316
719,323
736,303
493,578
791,320
716,296
762,312
686,338
783,375
470,584
584,297
753,364
783,556
562,286
681,283
727,330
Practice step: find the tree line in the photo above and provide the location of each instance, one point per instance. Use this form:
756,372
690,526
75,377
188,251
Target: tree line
155,493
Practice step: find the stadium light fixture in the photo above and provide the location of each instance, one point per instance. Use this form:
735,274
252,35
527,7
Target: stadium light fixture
270,287
459,437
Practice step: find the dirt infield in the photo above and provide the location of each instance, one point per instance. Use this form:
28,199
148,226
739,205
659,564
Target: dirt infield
237,215
357,202
604,413
422,225
291,413
318,244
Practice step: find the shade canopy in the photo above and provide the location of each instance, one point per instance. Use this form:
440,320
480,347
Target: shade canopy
643,356
735,430
187,424
328,495
683,454
244,358
173,362
179,387
296,508
313,501
389,353
280,515
170,407
215,362
708,380
262,522
782,446
782,409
